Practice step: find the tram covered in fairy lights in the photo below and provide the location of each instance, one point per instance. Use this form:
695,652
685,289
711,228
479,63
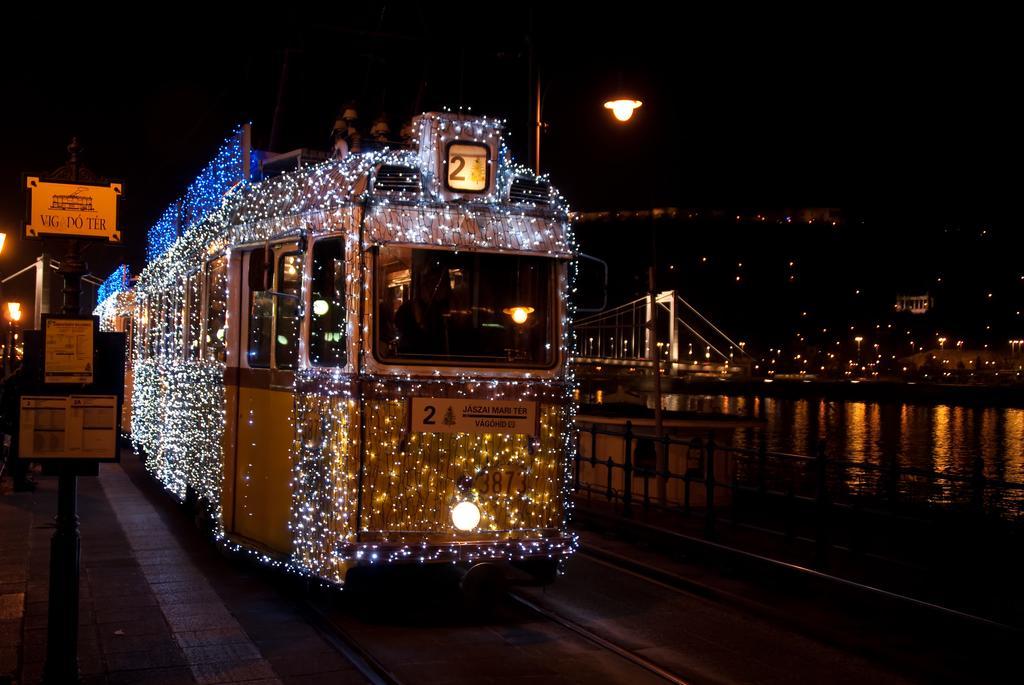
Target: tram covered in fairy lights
365,361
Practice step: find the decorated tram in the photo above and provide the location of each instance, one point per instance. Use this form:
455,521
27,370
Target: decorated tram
364,361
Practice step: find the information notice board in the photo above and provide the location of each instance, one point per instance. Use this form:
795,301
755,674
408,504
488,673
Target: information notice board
68,427
69,349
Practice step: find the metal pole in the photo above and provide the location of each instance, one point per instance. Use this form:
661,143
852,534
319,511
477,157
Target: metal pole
42,300
62,621
652,352
65,547
537,125
627,473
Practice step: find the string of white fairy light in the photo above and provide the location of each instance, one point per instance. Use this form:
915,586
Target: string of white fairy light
179,414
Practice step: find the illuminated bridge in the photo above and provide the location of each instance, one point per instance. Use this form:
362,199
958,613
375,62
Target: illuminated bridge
631,336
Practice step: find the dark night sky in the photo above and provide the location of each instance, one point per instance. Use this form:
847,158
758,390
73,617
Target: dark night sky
912,121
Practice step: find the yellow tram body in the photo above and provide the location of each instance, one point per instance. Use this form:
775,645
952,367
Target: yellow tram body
339,359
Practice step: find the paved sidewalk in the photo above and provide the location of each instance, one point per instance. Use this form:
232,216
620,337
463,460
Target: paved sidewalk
157,604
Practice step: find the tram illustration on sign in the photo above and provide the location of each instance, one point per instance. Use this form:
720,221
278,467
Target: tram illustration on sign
77,201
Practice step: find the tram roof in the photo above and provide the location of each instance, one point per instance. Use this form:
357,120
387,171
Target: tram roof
522,212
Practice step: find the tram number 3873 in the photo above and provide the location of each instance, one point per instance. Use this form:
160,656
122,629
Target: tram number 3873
508,482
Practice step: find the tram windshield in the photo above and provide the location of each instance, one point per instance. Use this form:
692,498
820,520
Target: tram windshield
464,308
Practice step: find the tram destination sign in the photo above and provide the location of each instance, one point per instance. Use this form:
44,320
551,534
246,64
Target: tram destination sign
444,415
72,210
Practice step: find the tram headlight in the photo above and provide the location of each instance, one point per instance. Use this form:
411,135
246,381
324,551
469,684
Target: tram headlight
465,515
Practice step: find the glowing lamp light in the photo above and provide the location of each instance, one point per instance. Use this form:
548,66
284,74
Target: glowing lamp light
465,515
519,314
3,238
14,311
622,109
320,307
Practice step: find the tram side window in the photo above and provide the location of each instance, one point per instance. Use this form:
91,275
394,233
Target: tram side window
193,323
286,337
327,298
143,331
125,326
156,319
180,319
150,342
167,325
261,313
216,314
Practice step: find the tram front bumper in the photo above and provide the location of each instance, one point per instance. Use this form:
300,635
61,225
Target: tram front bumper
368,553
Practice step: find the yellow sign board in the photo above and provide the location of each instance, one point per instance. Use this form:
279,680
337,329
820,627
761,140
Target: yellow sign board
68,345
443,415
68,427
468,167
73,210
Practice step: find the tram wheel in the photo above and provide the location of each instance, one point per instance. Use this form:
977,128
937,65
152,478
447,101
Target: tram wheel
203,515
541,571
483,586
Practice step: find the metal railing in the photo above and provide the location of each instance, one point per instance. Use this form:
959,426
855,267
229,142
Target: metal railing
817,498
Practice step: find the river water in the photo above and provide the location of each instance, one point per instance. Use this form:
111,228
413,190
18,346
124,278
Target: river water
941,438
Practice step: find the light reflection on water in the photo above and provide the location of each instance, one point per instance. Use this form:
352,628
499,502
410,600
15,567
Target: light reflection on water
937,438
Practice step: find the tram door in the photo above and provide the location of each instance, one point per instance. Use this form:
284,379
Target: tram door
270,319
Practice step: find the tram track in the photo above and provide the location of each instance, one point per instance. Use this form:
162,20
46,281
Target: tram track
797,571
924,612
368,644
339,628
342,641
610,646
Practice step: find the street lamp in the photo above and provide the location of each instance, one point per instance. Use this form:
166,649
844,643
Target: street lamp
3,239
622,109
12,312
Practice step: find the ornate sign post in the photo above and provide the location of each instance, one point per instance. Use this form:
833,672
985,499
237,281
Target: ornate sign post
75,204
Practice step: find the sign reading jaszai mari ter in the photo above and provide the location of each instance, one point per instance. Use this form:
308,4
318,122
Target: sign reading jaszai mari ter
442,415
73,210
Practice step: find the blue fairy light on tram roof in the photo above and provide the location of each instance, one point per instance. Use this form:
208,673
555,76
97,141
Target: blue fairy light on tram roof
203,195
116,282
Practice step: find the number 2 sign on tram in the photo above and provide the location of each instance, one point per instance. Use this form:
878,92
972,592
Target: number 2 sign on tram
468,166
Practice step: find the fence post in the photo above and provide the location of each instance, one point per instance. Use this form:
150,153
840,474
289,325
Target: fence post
978,485
627,474
709,488
735,501
790,513
694,443
762,465
857,529
821,499
593,440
